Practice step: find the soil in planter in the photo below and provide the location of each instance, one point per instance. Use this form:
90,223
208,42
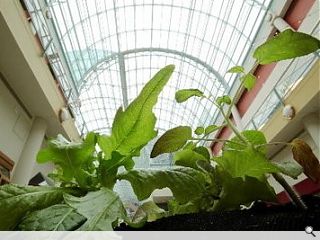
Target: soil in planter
258,218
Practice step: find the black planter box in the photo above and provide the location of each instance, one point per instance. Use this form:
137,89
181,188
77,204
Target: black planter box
259,218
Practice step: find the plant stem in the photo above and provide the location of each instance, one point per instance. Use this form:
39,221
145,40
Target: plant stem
292,193
218,140
206,135
234,99
273,143
238,91
229,123
233,127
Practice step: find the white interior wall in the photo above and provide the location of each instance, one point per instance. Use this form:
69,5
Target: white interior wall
45,169
14,125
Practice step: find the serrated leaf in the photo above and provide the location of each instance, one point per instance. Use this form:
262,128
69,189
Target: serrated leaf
303,154
249,81
16,201
55,218
70,156
108,168
175,208
239,191
185,183
248,162
286,45
134,128
184,94
289,168
214,186
211,129
236,69
223,100
85,180
102,208
172,140
199,130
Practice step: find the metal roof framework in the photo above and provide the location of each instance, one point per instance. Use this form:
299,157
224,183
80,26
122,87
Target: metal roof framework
103,52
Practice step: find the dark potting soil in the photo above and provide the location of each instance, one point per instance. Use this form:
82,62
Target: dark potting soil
258,218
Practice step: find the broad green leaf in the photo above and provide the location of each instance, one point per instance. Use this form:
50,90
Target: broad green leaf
199,130
287,44
185,183
248,162
184,94
151,210
69,156
205,166
172,140
253,136
191,158
55,218
133,128
102,208
236,69
16,201
107,144
211,129
224,99
289,167
239,191
203,151
249,80
188,158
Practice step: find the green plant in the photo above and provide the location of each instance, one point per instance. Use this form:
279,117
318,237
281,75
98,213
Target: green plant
239,175
86,172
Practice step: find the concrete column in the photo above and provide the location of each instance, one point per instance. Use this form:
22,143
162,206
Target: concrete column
237,118
311,123
23,169
280,24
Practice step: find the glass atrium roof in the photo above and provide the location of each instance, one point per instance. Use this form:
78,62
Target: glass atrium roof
103,52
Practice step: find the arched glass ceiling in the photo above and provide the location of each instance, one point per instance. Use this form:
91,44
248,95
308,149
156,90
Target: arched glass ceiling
107,51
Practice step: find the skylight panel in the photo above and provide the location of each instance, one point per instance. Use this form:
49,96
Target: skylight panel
112,48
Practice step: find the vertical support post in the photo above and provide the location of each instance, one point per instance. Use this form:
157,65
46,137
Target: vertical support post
237,118
23,170
124,87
